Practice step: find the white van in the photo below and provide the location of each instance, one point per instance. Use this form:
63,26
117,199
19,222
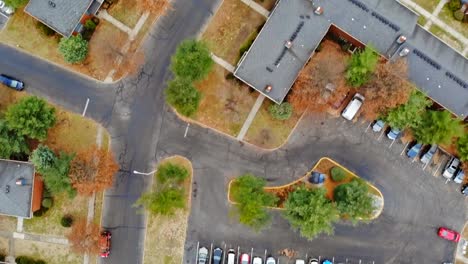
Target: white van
353,107
231,256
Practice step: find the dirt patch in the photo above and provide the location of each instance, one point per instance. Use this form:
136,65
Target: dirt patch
267,4
4,246
165,235
7,223
230,28
226,102
51,253
126,11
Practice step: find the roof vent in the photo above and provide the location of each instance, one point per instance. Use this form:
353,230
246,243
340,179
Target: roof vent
21,181
288,44
318,10
401,39
52,4
268,88
7,189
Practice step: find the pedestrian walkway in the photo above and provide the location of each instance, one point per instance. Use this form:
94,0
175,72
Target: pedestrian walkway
258,8
41,238
435,13
138,26
19,225
226,65
104,15
250,118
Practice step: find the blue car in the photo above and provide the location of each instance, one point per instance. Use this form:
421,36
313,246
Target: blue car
394,133
11,82
414,150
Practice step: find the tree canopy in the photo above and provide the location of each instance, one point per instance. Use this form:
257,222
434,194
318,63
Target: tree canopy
43,158
164,202
171,172
251,198
84,237
438,127
462,147
183,96
31,117
74,49
353,200
11,143
409,114
309,211
361,66
16,3
192,60
56,178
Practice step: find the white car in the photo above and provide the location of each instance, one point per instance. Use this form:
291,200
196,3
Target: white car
270,260
203,255
8,10
450,168
313,261
257,260
299,261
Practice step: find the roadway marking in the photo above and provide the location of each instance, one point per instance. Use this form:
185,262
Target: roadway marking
238,256
264,256
391,144
186,130
198,248
404,149
211,253
224,254
86,107
251,254
381,134
365,131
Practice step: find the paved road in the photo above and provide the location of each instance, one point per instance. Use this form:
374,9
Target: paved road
144,131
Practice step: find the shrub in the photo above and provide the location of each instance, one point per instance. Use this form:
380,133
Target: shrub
28,260
164,202
454,5
353,200
45,29
183,96
90,25
338,174
74,49
171,172
47,202
361,66
282,111
43,158
458,15
66,221
192,60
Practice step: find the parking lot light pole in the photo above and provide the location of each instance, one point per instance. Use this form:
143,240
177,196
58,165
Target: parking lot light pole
144,173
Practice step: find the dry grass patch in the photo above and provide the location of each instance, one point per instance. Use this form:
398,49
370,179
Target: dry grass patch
126,11
51,253
165,235
7,223
230,28
225,103
267,4
4,246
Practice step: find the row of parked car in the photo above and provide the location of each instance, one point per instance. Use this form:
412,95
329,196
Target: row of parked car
6,9
244,258
452,170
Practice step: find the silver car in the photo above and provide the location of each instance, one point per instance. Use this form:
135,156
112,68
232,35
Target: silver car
203,255
427,157
450,168
270,260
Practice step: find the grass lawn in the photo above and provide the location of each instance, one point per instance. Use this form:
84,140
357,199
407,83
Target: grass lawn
422,20
449,39
49,223
126,11
51,253
267,132
7,223
429,5
165,235
230,28
225,103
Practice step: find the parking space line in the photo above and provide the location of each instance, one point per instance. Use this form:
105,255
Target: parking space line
320,258
368,126
224,254
264,257
196,253
251,254
404,148
306,257
381,134
238,256
333,260
391,144
438,167
446,181
86,107
211,253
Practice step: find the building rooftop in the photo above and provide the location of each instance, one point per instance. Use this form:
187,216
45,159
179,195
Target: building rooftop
380,22
61,15
15,200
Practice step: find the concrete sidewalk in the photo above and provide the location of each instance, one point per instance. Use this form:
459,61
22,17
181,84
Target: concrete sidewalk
435,13
226,65
258,8
250,118
104,15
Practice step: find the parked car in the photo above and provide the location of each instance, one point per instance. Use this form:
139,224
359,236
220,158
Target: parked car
448,234
327,261
8,10
11,82
257,260
270,260
203,255
459,177
313,261
105,244
231,256
427,157
378,125
217,255
403,52
450,168
299,261
464,190
394,133
244,259
414,150
2,4
353,107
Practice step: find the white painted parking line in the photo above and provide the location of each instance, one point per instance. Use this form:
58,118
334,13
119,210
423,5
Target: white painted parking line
404,148
381,135
196,253
224,254
238,256
391,144
425,165
264,256
306,256
251,254
359,261
367,128
438,167
86,107
333,260
186,130
211,253
446,181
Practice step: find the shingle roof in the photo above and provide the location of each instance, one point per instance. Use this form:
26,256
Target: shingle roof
61,15
379,22
15,200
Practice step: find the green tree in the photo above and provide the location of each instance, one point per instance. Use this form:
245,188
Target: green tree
338,174
438,127
361,66
251,198
31,117
56,177
171,172
281,111
74,49
192,60
164,202
309,211
462,147
16,3
43,158
409,114
183,96
353,200
11,143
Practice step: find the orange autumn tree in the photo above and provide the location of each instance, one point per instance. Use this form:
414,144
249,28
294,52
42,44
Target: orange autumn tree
92,170
83,237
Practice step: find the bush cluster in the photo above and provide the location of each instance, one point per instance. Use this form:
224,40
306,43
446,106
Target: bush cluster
281,111
337,174
28,260
66,221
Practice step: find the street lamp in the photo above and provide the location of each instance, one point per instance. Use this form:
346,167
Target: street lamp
144,173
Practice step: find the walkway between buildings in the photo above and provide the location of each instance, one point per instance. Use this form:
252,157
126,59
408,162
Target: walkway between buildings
435,13
250,118
260,9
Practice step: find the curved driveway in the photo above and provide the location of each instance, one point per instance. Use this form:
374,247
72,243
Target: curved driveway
144,130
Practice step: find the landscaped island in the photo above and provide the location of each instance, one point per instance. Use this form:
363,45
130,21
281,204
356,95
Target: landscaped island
312,203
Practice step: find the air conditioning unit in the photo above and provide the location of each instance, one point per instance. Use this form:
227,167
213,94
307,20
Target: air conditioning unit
318,10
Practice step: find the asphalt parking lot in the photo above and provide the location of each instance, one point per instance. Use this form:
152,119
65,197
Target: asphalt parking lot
3,20
416,202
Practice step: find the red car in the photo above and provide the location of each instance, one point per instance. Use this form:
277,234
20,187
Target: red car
448,234
105,244
244,259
